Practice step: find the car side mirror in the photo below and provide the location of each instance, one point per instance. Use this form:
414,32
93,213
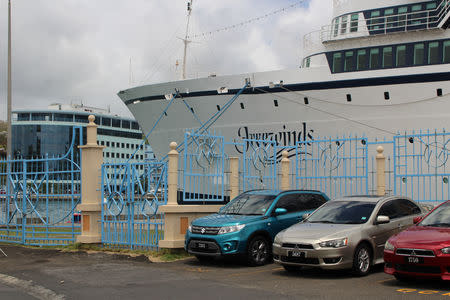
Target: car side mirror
305,216
417,219
280,211
383,220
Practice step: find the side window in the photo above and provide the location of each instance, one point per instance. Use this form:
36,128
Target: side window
289,202
407,207
389,209
314,201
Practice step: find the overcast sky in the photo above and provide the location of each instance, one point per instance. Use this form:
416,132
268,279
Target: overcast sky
79,50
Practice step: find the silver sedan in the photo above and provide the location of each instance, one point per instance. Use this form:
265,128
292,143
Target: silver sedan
345,233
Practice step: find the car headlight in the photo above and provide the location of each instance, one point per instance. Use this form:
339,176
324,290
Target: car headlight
446,250
388,246
334,243
230,229
277,239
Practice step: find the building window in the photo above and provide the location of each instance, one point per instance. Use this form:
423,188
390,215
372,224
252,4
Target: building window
419,54
387,57
361,60
348,63
344,24
401,56
374,58
354,23
337,62
446,52
433,53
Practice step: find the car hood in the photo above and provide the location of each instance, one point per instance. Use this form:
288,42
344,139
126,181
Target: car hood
219,220
422,236
317,231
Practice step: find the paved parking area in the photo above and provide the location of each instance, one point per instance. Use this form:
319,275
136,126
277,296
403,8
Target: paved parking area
50,274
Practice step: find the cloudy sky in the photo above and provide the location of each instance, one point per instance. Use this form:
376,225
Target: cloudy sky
80,50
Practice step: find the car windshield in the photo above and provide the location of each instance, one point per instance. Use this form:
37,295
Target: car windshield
440,217
343,212
248,204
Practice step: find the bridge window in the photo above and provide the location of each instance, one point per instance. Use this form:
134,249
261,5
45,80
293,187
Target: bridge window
416,18
402,11
389,20
418,54
348,63
344,25
401,56
361,60
387,57
336,27
374,58
354,23
337,62
446,52
433,53
431,5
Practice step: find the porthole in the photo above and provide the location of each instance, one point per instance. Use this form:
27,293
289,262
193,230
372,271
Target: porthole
387,96
275,102
439,92
306,100
349,98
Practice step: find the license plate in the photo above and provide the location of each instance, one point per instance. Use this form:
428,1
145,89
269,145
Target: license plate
201,245
414,260
296,253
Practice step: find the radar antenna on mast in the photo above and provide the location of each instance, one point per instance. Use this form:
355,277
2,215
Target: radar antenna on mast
185,40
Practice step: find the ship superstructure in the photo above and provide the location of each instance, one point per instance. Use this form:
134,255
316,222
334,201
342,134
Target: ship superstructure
378,68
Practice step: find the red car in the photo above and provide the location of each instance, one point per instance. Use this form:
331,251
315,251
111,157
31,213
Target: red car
422,250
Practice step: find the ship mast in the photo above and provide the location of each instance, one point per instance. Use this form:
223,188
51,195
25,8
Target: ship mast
9,131
185,40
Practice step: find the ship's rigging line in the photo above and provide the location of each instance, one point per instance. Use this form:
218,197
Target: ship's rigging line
249,21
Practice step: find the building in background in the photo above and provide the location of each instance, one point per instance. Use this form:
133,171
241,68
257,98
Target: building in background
40,133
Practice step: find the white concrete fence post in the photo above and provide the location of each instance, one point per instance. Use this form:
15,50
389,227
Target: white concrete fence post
285,168
234,177
90,207
381,176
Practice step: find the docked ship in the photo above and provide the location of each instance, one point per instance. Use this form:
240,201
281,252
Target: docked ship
379,68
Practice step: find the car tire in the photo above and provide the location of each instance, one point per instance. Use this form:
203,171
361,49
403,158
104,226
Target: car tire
292,269
362,260
258,251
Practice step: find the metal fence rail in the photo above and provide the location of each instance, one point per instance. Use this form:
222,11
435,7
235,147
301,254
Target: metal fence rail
39,196
132,194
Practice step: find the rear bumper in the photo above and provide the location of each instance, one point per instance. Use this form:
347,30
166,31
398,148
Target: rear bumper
432,267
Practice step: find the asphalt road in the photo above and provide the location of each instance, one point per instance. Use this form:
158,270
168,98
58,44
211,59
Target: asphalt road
49,274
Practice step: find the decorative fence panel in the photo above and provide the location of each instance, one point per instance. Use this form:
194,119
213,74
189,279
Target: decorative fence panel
39,196
421,170
132,194
338,167
204,168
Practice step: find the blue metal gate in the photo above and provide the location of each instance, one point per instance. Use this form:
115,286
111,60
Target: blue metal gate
38,198
132,193
338,167
420,161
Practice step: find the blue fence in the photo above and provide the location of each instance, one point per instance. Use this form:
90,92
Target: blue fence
38,198
132,193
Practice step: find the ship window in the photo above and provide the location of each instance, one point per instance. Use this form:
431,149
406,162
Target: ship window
387,96
433,53
106,121
374,58
431,5
375,19
416,18
361,60
115,123
417,7
165,113
107,144
275,102
344,25
242,105
218,107
418,54
401,19
354,23
126,124
337,62
134,125
348,63
390,21
387,57
401,56
306,100
439,92
336,27
107,154
349,98
308,62
113,144
446,52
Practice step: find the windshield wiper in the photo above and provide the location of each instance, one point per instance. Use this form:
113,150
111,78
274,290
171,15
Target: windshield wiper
439,225
325,222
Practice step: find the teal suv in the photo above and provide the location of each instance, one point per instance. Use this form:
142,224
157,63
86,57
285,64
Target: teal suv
248,224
